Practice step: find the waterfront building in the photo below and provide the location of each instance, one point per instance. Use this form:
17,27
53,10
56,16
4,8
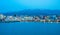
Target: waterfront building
58,17
36,18
9,18
28,18
21,18
2,17
17,18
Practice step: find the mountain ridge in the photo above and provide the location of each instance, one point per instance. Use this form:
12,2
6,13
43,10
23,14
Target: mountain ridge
35,12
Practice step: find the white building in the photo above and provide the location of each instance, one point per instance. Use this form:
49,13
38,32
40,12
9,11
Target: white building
28,18
9,18
2,16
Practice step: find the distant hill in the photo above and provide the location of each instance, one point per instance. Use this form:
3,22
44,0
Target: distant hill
35,12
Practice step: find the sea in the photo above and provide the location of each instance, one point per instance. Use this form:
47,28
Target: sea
29,28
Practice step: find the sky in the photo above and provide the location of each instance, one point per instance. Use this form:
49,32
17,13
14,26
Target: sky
17,5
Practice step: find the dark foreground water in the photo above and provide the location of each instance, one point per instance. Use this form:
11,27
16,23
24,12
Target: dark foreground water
29,28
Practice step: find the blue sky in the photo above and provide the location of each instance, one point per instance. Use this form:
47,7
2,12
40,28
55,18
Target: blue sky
16,5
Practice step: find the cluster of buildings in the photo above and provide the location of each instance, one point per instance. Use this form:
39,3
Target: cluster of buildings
41,18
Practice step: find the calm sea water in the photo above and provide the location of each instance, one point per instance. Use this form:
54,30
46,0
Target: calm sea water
29,28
